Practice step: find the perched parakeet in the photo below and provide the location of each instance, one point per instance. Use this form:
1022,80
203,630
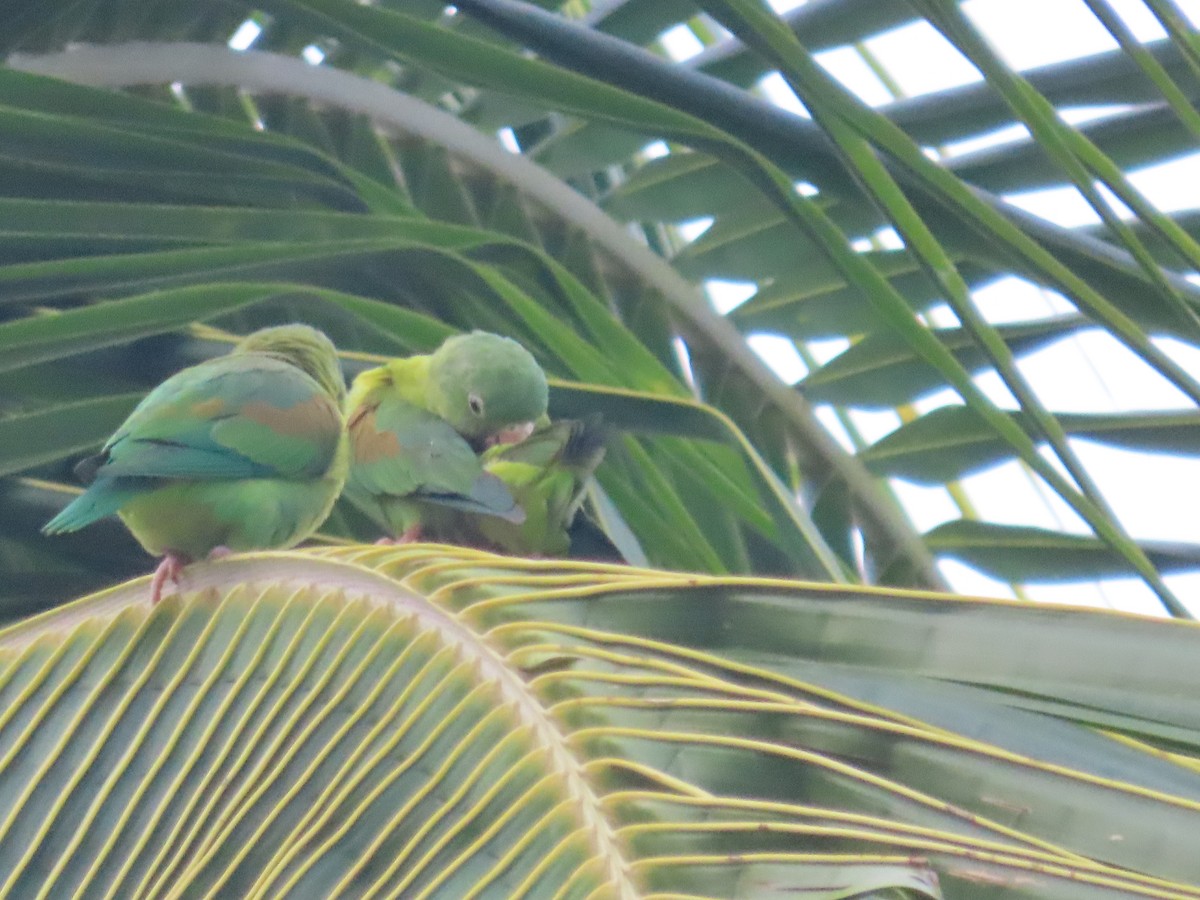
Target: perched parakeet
417,423
547,474
245,451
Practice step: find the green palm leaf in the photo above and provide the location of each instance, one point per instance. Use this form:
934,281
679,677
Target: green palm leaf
375,179
431,722
738,713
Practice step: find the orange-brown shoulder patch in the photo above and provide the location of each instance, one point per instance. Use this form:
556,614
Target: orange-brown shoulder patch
369,445
207,409
315,416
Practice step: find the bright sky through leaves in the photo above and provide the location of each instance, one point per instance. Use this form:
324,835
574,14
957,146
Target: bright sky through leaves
1087,373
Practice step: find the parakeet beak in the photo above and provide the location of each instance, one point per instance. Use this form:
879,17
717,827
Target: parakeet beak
511,435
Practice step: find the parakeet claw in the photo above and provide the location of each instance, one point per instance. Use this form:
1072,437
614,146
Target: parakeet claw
410,535
513,435
170,568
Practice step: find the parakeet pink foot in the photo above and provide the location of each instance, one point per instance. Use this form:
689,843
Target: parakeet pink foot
170,568
219,552
410,535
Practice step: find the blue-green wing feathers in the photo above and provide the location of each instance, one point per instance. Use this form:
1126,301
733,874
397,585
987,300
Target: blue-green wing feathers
244,416
488,496
402,451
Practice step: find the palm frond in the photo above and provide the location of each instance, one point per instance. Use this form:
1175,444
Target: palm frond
434,721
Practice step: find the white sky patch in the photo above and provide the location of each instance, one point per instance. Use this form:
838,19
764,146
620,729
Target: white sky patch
1093,373
940,315
1115,203
1065,29
1007,23
1047,453
782,6
920,60
825,349
1145,27
847,65
246,34
508,140
971,583
656,150
936,400
780,93
828,418
1186,355
1007,135
1014,299
727,296
1185,585
1015,132
1173,185
680,42
993,387
781,354
1063,206
685,360
873,424
693,228
1114,594
1078,115
887,239
927,505
313,55
1008,495
1143,475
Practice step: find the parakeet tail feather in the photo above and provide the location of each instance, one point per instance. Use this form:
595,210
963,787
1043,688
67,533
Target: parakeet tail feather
102,499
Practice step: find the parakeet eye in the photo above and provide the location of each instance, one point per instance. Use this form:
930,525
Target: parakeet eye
476,403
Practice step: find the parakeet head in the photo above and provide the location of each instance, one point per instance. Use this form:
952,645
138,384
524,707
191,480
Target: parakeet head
305,348
483,383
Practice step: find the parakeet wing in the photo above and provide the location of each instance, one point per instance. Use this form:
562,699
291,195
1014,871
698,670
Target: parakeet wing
401,450
555,462
240,416
539,450
548,473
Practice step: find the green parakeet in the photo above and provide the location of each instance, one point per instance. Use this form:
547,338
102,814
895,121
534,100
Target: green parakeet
246,451
547,474
416,424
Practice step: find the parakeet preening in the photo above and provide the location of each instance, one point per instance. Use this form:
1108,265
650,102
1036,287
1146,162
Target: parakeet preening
417,423
547,474
245,451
